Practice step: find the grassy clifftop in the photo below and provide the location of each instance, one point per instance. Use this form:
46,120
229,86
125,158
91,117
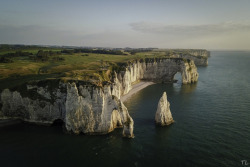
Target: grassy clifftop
20,64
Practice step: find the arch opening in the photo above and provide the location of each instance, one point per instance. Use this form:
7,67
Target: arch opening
58,122
177,78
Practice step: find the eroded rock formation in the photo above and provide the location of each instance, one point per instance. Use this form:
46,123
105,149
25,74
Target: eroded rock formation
96,112
163,114
85,107
156,70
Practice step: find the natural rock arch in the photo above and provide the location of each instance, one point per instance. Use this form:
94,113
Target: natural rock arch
177,77
157,70
165,69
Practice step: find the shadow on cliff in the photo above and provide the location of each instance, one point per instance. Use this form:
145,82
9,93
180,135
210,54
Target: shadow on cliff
58,122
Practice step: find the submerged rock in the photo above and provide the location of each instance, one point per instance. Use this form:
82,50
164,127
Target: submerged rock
163,114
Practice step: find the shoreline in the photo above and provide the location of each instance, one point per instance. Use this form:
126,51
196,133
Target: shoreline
9,122
136,88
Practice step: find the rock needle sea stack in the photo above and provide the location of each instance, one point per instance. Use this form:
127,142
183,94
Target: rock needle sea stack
163,115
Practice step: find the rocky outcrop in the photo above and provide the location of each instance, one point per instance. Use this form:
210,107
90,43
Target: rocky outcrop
83,108
163,114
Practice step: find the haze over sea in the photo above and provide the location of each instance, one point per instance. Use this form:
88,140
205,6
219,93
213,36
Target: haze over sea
211,127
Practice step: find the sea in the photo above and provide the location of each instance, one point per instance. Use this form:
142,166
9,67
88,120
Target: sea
211,128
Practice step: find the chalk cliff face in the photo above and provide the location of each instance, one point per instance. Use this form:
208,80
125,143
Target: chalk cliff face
199,61
159,70
39,107
163,114
200,57
202,53
96,112
85,107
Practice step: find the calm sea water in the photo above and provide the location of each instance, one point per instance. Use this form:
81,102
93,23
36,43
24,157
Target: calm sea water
212,127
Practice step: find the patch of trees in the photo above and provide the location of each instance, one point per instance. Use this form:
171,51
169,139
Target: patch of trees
48,55
7,47
17,54
98,51
7,58
68,51
134,51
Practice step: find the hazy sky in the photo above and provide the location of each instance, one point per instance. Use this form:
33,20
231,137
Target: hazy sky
208,24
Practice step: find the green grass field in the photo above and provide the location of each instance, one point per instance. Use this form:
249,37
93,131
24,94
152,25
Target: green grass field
94,66
24,66
74,66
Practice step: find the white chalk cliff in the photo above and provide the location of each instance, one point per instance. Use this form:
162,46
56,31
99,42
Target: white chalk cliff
96,112
200,57
156,70
85,107
163,114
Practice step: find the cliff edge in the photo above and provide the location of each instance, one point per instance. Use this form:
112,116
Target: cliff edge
85,107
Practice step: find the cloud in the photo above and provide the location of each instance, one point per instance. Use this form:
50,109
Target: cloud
228,35
203,29
37,34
